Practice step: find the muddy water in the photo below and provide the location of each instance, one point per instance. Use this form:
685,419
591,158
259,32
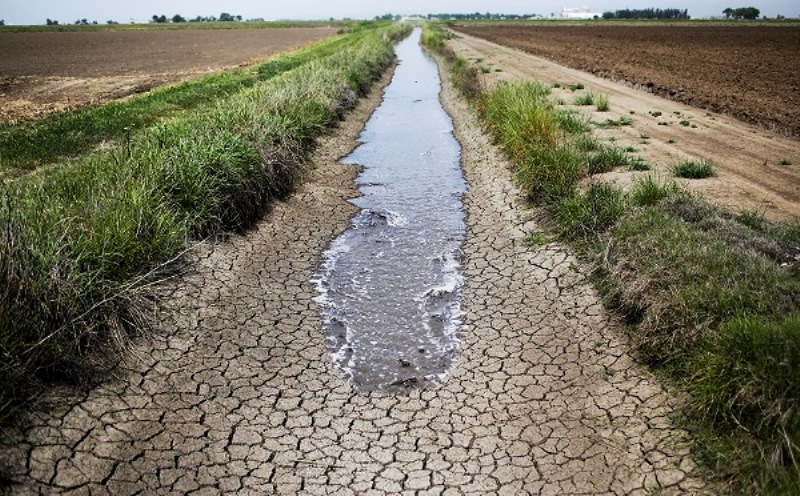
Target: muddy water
390,285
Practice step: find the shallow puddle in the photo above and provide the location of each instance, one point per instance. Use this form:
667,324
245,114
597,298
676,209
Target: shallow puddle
390,285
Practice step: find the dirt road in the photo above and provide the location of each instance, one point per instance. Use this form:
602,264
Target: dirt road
238,392
756,170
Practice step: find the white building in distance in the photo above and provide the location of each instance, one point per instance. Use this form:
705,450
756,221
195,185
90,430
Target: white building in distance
580,13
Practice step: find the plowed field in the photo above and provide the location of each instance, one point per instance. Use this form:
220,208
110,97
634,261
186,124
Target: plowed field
749,72
42,72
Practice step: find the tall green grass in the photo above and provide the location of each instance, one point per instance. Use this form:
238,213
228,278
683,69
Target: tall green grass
79,241
711,298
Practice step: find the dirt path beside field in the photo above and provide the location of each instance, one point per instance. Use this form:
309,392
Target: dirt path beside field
756,170
237,393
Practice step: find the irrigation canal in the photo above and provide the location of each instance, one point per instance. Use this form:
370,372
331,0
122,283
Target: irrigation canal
390,285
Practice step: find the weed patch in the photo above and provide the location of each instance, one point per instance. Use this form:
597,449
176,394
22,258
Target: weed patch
606,159
693,169
602,103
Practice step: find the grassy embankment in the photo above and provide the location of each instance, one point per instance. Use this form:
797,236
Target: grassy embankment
79,241
710,297
28,145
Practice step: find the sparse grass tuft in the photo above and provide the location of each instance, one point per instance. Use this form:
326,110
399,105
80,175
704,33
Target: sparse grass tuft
622,121
575,87
606,159
693,169
602,103
638,164
584,99
648,191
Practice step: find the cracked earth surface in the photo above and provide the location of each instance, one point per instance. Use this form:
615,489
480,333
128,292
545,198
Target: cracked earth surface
237,391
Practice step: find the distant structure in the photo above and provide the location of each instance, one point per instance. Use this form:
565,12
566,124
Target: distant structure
580,13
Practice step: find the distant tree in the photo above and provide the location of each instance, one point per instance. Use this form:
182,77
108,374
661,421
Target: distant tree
749,13
111,22
2,22
647,14
178,18
51,22
238,18
160,19
225,17
83,22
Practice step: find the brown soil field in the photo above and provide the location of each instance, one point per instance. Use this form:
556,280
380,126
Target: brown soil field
44,72
749,72
756,169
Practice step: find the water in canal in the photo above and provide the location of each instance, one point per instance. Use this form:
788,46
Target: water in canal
390,285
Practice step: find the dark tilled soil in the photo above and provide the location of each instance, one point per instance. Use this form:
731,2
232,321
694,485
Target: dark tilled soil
129,53
749,72
46,72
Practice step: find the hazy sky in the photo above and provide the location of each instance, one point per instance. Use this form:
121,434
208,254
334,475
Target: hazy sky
67,11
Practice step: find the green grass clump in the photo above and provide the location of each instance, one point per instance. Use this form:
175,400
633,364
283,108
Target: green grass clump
602,103
520,118
79,241
535,136
638,164
550,174
584,99
746,393
649,191
606,159
575,87
585,216
693,169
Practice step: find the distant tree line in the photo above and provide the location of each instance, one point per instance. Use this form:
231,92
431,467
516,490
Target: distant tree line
177,18
742,13
479,16
647,14
388,17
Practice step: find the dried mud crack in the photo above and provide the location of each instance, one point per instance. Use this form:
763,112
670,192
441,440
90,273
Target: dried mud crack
237,393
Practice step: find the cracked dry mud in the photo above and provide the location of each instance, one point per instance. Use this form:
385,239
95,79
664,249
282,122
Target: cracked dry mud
237,392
